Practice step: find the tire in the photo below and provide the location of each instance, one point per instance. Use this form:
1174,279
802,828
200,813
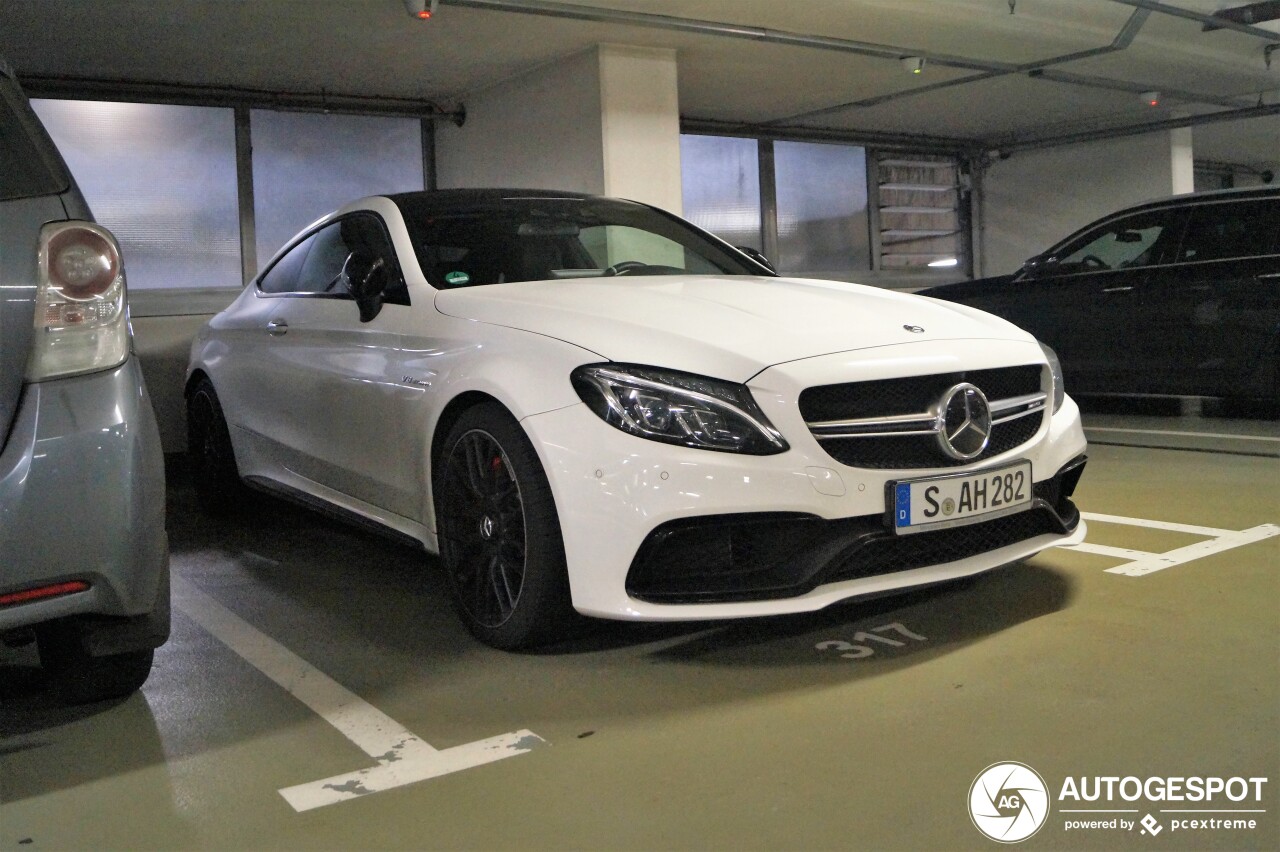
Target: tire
75,677
500,541
213,461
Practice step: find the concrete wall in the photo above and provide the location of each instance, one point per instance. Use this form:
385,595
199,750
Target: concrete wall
1035,198
538,131
605,121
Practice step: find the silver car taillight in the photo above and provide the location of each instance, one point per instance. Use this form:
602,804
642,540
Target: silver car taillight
81,322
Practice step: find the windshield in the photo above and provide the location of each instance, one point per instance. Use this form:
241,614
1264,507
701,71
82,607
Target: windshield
503,240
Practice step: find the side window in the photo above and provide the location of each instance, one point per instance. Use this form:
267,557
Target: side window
282,277
1232,230
322,270
317,265
1140,240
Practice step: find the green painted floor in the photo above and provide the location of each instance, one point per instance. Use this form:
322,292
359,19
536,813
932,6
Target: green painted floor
792,733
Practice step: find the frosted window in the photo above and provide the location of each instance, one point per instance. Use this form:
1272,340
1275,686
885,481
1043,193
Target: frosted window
720,179
306,165
822,209
163,179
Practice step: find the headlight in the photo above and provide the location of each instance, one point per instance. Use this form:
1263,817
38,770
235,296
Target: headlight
1055,368
678,408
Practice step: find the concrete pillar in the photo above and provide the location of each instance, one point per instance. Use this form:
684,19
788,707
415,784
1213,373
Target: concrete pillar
1182,161
640,112
605,121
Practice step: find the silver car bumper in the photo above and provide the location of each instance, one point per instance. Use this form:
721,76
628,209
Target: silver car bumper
82,498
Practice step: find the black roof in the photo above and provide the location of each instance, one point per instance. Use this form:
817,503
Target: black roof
451,199
1214,195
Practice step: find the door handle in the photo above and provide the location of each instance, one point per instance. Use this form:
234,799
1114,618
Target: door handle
277,327
1267,276
1125,289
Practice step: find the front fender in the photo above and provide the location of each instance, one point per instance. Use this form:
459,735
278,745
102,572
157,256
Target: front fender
527,373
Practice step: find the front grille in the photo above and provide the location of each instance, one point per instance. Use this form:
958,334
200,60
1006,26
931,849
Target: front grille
724,558
906,452
880,444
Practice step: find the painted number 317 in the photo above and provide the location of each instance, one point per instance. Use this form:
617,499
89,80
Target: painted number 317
854,651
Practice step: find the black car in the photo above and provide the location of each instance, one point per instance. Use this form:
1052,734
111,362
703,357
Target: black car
1178,297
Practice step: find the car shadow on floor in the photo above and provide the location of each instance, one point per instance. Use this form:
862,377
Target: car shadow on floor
361,584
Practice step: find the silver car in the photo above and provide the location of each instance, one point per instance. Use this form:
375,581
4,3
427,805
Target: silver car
84,558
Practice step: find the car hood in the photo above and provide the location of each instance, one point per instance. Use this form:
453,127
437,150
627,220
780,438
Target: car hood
730,327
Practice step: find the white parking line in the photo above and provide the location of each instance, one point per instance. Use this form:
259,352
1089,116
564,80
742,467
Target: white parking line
1177,433
1155,525
1142,563
402,757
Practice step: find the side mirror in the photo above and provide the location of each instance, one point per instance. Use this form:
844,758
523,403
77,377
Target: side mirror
1038,264
758,257
366,280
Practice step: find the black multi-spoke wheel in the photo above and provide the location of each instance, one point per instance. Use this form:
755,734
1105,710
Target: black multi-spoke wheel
213,462
499,533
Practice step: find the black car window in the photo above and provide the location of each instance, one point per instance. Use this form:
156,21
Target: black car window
500,241
1223,230
283,275
1143,239
317,265
322,270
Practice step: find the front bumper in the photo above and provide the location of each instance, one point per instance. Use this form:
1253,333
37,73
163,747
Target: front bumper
82,499
728,558
613,490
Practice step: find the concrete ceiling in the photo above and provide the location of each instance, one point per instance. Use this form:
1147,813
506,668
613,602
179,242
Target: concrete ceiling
994,79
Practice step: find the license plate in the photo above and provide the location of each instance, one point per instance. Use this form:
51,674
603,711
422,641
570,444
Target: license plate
961,498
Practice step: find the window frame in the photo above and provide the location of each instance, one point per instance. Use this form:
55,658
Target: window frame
1047,268
1273,250
397,286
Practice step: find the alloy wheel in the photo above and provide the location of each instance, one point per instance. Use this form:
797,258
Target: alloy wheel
482,528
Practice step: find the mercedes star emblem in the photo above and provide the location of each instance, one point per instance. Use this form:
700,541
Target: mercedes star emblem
964,422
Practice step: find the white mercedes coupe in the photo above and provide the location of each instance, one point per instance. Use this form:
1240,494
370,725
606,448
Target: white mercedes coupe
587,404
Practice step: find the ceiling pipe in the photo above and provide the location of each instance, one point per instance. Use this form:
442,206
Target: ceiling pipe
1013,145
1123,39
988,68
78,88
573,11
1169,93
881,140
1216,21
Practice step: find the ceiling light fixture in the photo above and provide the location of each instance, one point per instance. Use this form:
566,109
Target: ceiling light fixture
944,262
914,64
423,10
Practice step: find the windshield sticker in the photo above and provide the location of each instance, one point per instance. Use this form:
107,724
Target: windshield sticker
457,277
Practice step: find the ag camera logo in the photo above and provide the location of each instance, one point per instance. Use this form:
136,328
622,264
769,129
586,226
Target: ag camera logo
1008,802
